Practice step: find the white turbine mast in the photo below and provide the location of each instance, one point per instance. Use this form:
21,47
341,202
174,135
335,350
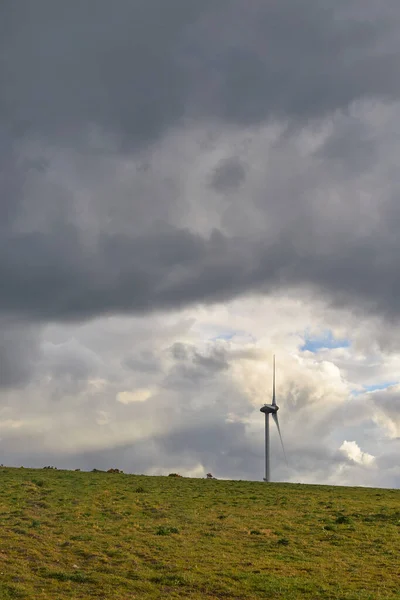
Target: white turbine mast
271,409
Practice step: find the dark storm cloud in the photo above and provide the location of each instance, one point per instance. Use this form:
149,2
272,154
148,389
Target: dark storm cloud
67,65
55,277
134,71
135,68
291,59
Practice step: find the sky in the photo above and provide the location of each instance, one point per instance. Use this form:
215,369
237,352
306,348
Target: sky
186,189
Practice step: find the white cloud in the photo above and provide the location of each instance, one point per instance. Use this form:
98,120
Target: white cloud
10,424
354,453
139,395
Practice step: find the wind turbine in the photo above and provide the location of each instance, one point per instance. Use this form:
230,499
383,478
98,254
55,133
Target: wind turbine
271,409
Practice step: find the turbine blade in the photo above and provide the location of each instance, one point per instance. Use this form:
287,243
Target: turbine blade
273,384
275,418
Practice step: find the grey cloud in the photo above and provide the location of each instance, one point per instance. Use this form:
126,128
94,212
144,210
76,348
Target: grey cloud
195,373
216,362
388,465
19,352
217,448
220,447
350,145
228,175
144,361
180,351
387,403
69,366
214,359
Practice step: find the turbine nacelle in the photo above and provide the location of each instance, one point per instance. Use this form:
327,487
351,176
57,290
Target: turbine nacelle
269,408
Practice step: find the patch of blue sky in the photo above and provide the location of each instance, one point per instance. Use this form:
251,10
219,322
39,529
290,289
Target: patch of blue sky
225,335
326,340
379,386
375,387
230,334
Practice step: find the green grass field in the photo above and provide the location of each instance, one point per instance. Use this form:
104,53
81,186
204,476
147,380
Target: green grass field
114,536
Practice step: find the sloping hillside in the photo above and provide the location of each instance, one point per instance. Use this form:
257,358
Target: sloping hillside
115,536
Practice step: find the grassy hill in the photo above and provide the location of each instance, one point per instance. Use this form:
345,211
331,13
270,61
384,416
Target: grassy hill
114,536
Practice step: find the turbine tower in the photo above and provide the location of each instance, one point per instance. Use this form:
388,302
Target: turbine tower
271,409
